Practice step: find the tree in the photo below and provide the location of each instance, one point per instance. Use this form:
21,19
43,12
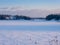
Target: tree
17,17
53,16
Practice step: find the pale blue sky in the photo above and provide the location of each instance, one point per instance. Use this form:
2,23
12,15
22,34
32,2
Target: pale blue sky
30,4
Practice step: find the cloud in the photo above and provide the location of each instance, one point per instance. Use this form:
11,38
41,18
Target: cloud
28,12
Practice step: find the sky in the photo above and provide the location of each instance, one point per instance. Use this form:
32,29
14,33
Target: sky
34,8
32,4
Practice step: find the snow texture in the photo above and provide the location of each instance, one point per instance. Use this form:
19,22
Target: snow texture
28,38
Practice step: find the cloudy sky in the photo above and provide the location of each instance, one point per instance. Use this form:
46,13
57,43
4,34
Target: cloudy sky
35,7
44,4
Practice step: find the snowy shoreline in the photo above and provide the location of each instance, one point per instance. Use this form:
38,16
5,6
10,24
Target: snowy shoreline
29,23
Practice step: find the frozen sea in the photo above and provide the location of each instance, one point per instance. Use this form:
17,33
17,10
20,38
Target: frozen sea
22,32
30,25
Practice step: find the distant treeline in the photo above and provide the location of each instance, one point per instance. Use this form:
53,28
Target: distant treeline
19,17
15,17
53,17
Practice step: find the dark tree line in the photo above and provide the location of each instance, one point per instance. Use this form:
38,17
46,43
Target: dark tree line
5,17
15,17
53,17
19,17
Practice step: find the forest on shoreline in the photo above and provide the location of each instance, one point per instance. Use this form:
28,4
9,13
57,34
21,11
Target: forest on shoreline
20,17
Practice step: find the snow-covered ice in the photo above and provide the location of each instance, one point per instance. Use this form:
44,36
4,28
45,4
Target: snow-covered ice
27,38
11,33
23,22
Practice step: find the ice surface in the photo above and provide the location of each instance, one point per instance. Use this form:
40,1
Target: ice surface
27,38
11,33
24,22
